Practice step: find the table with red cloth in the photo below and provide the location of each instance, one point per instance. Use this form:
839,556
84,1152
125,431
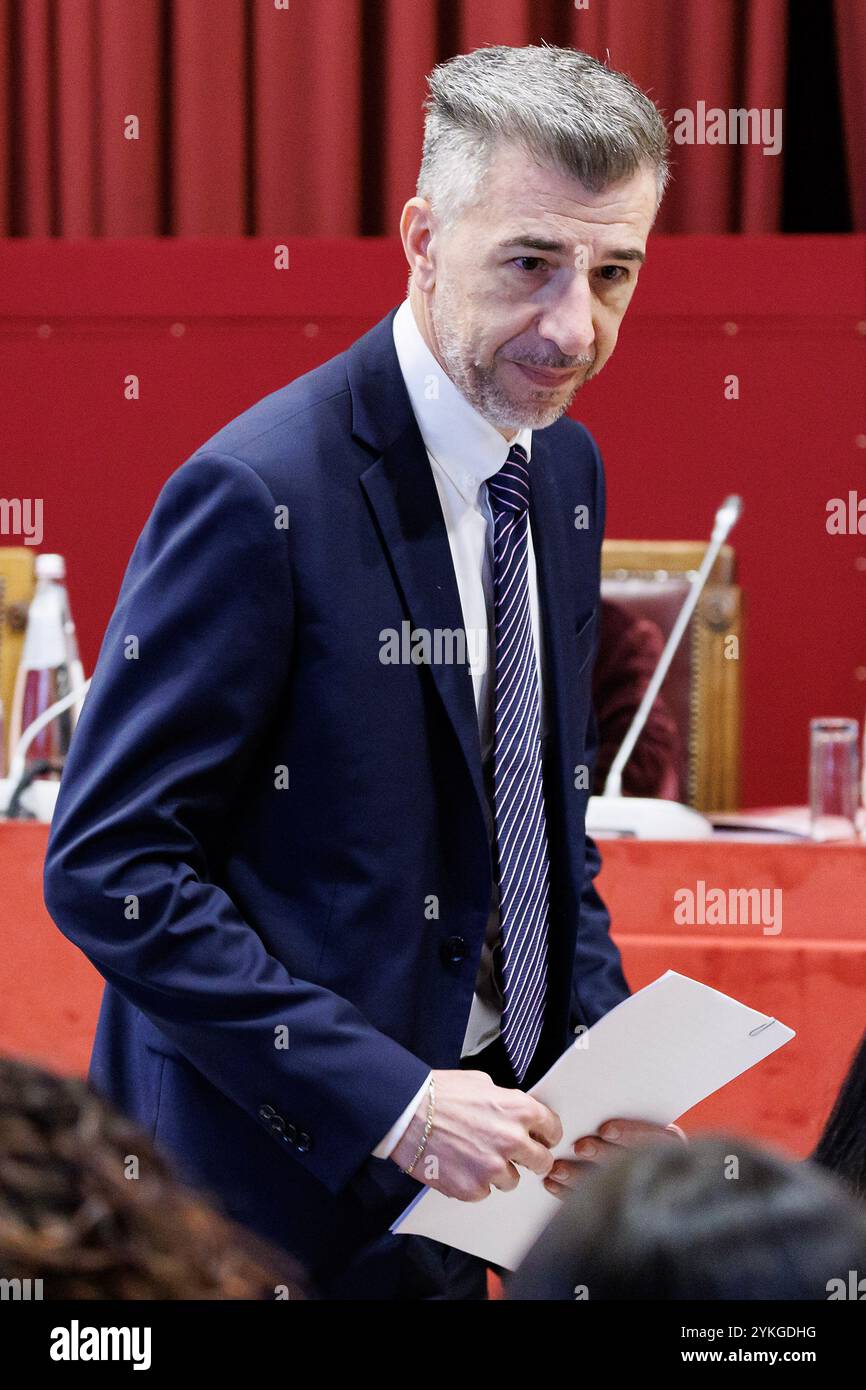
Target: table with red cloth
811,974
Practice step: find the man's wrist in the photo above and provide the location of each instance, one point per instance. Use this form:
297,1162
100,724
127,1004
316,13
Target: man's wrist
427,1130
385,1147
404,1150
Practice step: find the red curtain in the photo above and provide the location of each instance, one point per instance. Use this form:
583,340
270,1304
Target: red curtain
851,49
259,119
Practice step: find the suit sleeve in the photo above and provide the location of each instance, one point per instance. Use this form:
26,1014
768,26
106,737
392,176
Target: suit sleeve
598,974
194,663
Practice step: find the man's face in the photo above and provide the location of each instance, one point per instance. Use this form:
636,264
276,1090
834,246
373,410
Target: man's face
522,298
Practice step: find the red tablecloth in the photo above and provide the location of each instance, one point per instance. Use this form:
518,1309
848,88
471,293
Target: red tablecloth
811,974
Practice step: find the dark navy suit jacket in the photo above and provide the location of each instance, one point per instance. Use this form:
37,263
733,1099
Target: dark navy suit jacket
272,845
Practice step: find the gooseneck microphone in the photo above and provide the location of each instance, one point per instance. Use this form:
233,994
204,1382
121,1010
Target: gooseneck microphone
653,817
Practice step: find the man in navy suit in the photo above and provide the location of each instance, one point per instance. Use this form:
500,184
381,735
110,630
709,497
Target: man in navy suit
322,824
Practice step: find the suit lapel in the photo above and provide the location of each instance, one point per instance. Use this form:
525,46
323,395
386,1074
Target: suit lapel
564,576
402,493
401,490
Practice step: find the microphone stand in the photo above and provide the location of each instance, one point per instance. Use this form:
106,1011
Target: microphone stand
22,780
646,817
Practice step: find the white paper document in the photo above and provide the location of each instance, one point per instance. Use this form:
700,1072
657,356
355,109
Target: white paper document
652,1058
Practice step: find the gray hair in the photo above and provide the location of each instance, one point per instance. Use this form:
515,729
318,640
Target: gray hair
565,107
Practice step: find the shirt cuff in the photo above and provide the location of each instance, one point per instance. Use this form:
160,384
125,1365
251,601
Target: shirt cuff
386,1146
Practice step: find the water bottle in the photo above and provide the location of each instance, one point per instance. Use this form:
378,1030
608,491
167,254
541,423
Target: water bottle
44,672
73,660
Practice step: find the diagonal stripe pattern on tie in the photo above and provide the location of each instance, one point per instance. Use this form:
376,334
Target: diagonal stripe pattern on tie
521,827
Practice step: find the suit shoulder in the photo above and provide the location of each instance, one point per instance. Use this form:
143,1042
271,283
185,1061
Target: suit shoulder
575,451
288,422
573,437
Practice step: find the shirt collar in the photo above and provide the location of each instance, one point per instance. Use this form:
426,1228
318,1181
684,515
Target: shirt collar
464,445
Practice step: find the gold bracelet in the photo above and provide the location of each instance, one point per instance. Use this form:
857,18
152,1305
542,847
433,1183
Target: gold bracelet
427,1128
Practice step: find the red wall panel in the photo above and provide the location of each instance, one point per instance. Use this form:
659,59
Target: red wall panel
210,326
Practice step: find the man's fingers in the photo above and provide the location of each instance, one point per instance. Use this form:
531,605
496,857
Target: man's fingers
532,1155
594,1149
566,1174
507,1179
557,1189
628,1133
543,1124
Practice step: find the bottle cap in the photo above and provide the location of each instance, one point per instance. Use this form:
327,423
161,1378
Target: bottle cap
50,567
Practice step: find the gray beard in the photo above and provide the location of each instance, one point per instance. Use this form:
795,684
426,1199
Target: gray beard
482,391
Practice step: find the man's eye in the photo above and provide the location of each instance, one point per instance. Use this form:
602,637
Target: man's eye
536,261
618,272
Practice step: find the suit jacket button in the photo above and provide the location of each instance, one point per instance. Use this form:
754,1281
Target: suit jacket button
305,1143
278,1125
266,1112
454,950
292,1134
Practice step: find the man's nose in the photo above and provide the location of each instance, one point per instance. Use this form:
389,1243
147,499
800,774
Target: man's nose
567,321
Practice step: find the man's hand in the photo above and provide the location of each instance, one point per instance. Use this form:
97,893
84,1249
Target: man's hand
480,1131
612,1137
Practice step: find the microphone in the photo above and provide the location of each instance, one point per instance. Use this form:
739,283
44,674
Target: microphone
645,817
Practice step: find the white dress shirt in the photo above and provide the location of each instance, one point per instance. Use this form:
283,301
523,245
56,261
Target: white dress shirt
464,451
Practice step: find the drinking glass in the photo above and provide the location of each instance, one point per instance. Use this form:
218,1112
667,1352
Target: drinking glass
834,767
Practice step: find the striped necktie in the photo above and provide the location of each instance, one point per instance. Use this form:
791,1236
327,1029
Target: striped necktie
521,831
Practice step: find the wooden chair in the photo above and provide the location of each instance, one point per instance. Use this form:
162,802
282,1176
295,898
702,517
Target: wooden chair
17,586
703,686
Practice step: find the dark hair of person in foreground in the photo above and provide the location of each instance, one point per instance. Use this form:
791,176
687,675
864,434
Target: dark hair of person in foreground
72,1216
842,1146
665,1222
